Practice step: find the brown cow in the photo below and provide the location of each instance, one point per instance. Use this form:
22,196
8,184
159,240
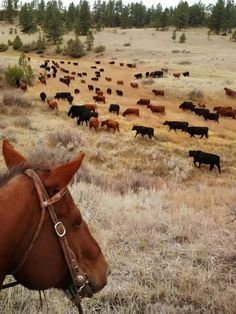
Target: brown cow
131,111
143,101
156,109
177,75
158,92
82,81
93,123
120,82
90,107
108,79
226,112
99,99
99,92
134,85
230,92
42,78
52,104
23,87
111,124
69,77
224,108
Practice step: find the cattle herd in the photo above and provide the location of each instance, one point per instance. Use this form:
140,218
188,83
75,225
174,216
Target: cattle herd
88,114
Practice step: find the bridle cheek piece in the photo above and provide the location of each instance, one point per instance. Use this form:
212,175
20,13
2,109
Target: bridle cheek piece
79,278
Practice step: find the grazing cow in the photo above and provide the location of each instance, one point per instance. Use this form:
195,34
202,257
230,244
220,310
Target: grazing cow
112,62
119,92
75,111
97,62
138,76
94,78
23,87
176,75
82,81
97,72
111,124
205,158
98,98
187,105
143,130
90,87
90,107
52,104
79,74
75,63
62,95
129,111
131,65
65,81
109,91
219,108
211,116
230,92
186,73
93,123
200,111
120,82
43,96
84,73
69,77
68,62
158,92
76,91
108,79
134,85
114,108
176,125
42,79
85,116
143,101
101,70
226,112
97,89
62,62
73,73
70,99
196,130
158,74
156,109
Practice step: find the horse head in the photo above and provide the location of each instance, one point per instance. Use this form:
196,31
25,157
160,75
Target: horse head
45,266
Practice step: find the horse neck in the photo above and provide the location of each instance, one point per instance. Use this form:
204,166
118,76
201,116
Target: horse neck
18,212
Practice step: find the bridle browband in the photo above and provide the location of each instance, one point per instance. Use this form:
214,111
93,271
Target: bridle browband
79,278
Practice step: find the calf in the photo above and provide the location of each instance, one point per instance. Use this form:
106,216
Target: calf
93,123
114,108
52,104
82,81
205,158
120,82
129,111
119,92
187,105
196,130
85,116
211,116
111,124
176,75
158,92
143,130
143,101
108,79
43,96
134,85
176,125
156,109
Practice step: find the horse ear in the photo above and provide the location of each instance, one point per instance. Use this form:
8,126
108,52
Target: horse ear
11,156
61,176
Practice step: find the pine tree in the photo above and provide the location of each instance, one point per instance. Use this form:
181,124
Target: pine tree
164,19
181,15
89,40
9,10
41,12
27,19
83,22
182,38
53,24
28,74
17,43
216,19
75,48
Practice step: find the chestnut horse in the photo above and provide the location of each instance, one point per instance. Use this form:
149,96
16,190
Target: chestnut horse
44,241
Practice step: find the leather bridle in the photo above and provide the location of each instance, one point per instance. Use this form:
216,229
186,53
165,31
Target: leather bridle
79,279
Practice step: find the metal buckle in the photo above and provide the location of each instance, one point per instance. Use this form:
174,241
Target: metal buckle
59,225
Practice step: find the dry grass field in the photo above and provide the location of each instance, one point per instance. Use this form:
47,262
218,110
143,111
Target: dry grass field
166,227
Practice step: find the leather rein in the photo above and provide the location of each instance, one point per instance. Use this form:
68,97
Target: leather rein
79,278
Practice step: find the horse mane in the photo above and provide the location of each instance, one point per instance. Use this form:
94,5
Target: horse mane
20,169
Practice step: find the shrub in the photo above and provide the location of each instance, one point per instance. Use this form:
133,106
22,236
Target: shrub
13,73
17,43
127,45
10,98
75,48
28,75
3,47
182,38
9,42
23,122
64,138
99,49
196,94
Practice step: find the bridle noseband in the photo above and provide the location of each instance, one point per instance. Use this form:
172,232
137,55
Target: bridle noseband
79,278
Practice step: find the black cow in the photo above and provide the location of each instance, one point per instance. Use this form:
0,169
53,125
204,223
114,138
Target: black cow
65,81
114,108
143,130
186,73
119,92
75,111
84,73
70,99
187,105
112,62
197,130
62,95
147,74
77,91
75,63
176,125
109,91
138,76
97,62
90,87
43,96
94,78
155,74
200,111
211,116
205,158
101,70
85,116
79,74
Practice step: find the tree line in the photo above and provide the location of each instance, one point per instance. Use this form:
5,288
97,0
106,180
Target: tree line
56,19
